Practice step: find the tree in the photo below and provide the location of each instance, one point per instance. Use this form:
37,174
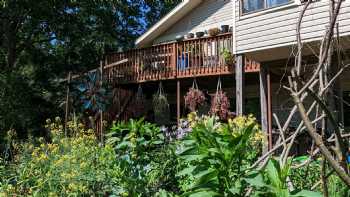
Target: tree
41,41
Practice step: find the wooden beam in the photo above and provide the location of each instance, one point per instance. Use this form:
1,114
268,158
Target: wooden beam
94,70
178,101
240,85
69,78
263,101
101,111
269,108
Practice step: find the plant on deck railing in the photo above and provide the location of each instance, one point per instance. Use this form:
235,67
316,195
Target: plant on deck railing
229,59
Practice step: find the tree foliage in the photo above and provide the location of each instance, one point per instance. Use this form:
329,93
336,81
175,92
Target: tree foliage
41,41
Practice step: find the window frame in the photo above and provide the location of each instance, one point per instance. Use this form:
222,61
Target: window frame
290,2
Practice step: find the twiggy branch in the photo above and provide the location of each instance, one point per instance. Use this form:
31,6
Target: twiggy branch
318,141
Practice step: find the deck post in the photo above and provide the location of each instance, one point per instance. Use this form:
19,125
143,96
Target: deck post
263,103
101,111
69,78
178,101
240,84
269,108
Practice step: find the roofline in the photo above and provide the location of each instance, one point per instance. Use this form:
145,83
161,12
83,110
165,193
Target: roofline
164,23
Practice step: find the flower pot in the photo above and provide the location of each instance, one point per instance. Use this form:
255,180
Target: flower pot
190,35
199,34
213,31
225,28
179,38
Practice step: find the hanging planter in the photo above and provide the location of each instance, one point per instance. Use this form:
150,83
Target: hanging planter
139,103
194,97
161,107
220,104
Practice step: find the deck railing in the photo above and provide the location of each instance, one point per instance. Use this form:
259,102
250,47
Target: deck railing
189,58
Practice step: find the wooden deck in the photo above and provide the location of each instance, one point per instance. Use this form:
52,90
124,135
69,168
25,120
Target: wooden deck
188,58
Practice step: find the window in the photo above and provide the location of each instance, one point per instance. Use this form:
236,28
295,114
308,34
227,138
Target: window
255,5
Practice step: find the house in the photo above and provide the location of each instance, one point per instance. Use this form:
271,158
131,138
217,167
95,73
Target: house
262,35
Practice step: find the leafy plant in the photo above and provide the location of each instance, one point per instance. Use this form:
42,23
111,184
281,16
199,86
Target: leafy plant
146,161
213,159
272,182
305,177
66,166
228,57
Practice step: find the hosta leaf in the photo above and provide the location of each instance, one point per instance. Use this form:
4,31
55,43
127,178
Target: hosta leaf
157,142
186,171
234,190
306,193
184,151
189,158
123,145
204,194
112,140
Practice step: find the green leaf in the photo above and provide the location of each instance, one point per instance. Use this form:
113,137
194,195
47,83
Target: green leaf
189,158
256,181
306,193
272,170
204,194
234,190
186,171
122,145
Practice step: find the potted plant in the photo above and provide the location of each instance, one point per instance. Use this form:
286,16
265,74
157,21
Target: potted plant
179,38
220,104
161,107
225,28
194,98
199,34
190,35
229,59
213,31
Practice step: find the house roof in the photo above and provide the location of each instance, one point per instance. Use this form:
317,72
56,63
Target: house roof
166,22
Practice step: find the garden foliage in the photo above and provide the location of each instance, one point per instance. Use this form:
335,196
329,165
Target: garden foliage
205,158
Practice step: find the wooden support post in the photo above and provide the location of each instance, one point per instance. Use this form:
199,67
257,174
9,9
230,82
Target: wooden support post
269,108
263,103
101,111
178,101
69,78
240,85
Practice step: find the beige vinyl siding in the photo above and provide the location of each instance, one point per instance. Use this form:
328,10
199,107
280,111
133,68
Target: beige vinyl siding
277,27
210,13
